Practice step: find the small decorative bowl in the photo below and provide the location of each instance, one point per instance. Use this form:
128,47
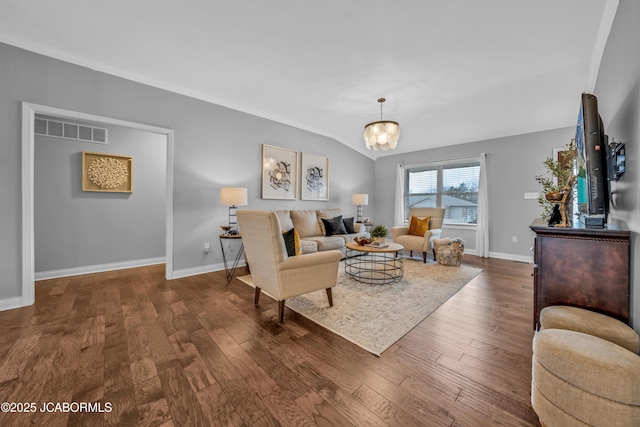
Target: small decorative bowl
362,241
554,196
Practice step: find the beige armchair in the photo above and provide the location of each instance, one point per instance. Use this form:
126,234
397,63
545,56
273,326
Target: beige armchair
420,243
279,275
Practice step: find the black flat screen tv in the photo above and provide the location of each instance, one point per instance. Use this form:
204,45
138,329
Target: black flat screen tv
591,156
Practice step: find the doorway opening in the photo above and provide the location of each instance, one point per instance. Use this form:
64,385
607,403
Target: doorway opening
28,147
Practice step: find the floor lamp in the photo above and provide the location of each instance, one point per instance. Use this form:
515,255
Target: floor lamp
360,200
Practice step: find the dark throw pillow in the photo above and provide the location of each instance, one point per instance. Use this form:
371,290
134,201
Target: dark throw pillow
290,241
334,226
328,226
340,229
348,225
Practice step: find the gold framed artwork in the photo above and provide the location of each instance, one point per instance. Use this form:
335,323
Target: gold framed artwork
108,173
314,177
279,173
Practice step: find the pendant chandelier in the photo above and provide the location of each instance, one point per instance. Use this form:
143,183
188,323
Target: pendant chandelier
383,134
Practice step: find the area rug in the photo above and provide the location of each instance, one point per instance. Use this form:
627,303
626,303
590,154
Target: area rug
376,316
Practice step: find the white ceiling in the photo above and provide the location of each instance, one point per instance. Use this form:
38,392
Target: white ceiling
452,71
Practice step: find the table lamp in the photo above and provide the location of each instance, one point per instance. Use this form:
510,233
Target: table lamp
360,200
233,197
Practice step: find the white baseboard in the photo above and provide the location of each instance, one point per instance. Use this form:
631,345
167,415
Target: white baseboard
76,271
11,303
501,255
203,269
511,257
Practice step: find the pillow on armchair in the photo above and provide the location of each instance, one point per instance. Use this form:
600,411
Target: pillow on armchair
422,221
419,226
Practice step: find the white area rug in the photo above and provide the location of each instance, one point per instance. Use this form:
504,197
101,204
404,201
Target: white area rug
376,316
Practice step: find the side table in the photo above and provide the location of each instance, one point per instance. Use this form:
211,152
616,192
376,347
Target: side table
231,270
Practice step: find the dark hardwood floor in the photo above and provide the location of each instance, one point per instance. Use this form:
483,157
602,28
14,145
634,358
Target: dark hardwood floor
196,352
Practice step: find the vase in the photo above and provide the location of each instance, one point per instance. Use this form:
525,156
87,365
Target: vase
380,239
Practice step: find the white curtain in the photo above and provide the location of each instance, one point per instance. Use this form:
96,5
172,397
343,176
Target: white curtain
482,229
399,202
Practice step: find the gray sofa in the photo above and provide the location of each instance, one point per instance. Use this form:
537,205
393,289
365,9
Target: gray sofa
312,231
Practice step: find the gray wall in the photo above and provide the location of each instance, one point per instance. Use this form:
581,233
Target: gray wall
512,164
214,147
74,228
618,92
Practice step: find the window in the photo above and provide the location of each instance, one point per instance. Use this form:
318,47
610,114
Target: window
453,186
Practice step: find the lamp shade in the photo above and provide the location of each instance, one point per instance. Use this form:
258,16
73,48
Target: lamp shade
360,199
233,196
382,135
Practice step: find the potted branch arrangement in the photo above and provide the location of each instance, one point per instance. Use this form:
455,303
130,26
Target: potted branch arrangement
557,187
379,233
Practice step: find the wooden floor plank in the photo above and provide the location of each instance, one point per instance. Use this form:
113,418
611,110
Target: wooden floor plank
284,377
320,410
143,365
388,411
60,383
259,381
17,357
185,411
286,411
119,392
243,398
217,408
89,384
30,383
195,369
151,405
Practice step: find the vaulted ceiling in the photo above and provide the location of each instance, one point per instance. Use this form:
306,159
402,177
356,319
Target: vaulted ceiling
452,71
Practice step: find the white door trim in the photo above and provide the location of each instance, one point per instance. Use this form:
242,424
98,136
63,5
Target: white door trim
29,111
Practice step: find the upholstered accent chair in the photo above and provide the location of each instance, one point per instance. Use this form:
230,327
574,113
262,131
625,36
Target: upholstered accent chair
422,243
585,370
272,270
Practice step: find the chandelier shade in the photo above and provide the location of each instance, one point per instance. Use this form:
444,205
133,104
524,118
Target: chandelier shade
383,134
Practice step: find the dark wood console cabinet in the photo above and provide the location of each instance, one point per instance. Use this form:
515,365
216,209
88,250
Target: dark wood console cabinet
582,267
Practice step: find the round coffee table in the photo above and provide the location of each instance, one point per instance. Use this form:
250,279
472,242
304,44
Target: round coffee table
375,266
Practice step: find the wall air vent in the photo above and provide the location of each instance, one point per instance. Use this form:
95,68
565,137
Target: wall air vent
60,129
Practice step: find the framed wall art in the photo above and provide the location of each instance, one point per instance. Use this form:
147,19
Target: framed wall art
314,179
279,173
107,173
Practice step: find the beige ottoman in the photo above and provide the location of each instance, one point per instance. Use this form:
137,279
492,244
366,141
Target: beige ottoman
582,380
591,323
